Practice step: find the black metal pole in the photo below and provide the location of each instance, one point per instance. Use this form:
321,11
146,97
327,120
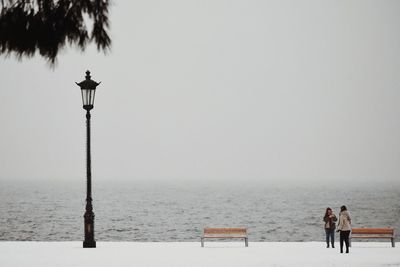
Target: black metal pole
89,215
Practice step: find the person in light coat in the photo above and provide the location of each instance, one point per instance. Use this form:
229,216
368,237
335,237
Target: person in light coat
344,227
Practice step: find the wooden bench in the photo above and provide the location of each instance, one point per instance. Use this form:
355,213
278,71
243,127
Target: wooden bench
225,233
373,233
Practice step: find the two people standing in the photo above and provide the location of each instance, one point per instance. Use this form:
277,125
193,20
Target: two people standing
344,227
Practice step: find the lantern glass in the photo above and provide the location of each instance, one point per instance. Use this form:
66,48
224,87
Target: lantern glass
88,97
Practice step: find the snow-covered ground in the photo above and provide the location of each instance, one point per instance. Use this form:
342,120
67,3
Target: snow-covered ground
188,254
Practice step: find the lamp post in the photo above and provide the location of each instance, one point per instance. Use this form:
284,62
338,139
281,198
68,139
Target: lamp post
88,89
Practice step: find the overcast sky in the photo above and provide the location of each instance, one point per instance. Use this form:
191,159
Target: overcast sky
289,91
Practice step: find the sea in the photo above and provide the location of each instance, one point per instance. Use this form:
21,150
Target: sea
179,211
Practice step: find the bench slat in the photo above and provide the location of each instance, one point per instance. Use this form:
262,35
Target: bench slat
225,230
372,231
225,236
372,236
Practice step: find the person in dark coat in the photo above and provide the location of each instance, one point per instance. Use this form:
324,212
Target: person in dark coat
330,226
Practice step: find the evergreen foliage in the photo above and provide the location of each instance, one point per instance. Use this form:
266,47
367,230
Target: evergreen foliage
47,26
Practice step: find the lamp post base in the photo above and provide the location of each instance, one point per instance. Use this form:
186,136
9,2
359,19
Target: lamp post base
89,241
89,244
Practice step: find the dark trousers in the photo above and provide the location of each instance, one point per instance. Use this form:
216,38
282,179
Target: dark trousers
344,236
330,234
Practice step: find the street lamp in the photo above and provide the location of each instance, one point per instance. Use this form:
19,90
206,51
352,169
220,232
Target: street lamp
88,89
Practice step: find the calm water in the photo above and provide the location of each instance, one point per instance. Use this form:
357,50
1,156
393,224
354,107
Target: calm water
171,212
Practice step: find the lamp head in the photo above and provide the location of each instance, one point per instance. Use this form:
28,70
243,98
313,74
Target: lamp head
88,90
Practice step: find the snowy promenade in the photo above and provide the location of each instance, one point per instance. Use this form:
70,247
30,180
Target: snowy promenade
188,254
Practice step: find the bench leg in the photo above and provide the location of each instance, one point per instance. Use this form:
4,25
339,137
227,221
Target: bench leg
392,242
246,242
202,242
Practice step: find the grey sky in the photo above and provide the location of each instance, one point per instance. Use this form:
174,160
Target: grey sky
295,91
